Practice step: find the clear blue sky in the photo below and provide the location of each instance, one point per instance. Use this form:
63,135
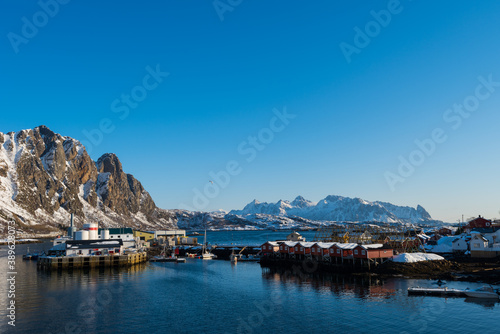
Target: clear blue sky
353,120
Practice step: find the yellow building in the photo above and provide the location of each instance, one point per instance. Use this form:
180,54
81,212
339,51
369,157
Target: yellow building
146,236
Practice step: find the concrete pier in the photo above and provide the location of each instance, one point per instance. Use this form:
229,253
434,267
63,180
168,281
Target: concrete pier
75,262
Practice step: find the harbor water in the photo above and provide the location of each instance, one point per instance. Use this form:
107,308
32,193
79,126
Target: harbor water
218,297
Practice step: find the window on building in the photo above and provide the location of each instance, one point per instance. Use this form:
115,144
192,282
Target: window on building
363,252
356,252
338,251
301,249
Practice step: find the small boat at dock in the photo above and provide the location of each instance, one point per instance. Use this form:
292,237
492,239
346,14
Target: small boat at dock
167,259
164,258
249,258
485,292
205,254
30,256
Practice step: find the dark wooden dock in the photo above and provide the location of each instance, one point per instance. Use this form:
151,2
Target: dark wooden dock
438,292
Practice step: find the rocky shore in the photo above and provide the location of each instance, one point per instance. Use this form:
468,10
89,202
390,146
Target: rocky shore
460,270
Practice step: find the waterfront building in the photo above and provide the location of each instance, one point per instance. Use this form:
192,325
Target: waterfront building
126,234
485,245
321,249
269,247
304,248
294,236
373,251
286,246
346,249
87,247
447,230
460,244
169,233
144,235
478,222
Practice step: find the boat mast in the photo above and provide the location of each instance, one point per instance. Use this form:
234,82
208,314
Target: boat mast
204,249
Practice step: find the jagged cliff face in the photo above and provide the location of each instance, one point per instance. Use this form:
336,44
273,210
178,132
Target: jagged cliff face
44,177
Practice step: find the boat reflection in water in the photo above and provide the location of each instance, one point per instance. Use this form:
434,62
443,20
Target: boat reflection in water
486,303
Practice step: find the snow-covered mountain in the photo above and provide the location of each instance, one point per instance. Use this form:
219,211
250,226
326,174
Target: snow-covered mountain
338,208
45,176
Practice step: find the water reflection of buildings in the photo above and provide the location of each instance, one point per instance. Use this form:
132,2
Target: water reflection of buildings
58,280
360,286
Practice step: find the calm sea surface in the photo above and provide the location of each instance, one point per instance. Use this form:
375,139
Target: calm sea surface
217,297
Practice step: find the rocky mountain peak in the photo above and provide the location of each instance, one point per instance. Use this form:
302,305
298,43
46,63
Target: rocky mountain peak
45,176
423,212
109,163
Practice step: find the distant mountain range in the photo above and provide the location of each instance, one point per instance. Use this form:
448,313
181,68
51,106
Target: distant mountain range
338,208
45,176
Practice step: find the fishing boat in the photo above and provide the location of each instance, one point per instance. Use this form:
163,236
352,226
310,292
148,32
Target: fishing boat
167,259
486,292
233,258
249,258
205,254
30,256
164,258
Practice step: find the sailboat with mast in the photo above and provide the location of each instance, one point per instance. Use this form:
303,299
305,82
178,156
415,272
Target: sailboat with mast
205,254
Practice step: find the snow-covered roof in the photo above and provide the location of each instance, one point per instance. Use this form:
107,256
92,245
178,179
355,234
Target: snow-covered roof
272,243
290,243
463,238
306,244
347,246
479,236
325,245
451,228
372,246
